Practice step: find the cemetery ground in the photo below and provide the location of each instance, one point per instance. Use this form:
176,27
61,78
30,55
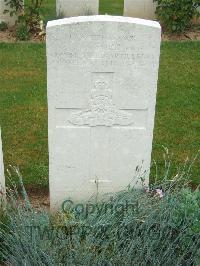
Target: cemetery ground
48,12
134,227
111,7
24,102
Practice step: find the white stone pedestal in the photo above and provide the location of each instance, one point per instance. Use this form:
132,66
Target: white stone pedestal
73,8
140,9
10,21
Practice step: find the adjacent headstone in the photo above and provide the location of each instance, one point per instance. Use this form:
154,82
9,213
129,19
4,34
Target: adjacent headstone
2,177
5,17
102,83
140,9
71,8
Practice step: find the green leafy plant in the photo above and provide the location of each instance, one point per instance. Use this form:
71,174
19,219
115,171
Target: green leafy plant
3,26
29,17
22,30
177,15
33,15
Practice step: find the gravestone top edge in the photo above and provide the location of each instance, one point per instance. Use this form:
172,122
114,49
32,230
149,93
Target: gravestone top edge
103,18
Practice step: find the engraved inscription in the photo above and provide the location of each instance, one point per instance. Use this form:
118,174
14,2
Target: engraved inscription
84,58
102,110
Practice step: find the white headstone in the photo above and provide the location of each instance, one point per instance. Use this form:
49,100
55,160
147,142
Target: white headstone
140,9
102,83
2,177
72,8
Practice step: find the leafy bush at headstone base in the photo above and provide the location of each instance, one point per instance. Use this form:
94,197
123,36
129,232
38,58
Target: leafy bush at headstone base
161,229
177,15
29,17
22,30
3,26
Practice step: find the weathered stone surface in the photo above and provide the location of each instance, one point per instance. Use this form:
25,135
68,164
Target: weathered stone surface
102,83
140,9
2,177
72,8
9,20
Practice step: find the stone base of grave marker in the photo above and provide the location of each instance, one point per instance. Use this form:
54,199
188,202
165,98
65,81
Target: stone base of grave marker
5,17
71,8
140,9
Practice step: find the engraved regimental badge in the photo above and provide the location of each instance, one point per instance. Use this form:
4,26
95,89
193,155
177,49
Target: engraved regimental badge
102,110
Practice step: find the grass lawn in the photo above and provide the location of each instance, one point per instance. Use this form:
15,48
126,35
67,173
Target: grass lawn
23,106
111,7
23,109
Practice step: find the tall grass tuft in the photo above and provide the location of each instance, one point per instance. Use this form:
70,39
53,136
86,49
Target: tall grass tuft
159,225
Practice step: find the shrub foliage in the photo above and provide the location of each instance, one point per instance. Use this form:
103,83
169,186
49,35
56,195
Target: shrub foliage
177,15
3,26
29,17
